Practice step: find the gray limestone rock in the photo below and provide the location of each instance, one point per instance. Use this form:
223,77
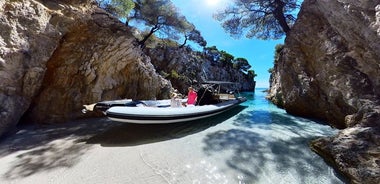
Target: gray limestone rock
329,69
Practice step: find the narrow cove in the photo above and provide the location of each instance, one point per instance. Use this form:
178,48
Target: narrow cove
253,143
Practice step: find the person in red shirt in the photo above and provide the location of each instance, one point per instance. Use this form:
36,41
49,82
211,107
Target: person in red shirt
191,96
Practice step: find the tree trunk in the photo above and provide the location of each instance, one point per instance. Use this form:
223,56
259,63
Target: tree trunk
278,13
184,43
154,29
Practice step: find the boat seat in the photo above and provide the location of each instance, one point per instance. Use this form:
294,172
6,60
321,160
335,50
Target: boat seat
225,96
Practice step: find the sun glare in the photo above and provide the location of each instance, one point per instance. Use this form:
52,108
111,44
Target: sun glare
212,2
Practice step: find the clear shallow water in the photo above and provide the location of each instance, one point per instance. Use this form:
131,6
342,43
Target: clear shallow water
254,143
267,145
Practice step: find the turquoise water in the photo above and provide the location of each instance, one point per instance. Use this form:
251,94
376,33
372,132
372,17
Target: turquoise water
255,143
271,146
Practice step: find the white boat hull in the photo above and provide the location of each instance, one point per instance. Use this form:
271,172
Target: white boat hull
166,114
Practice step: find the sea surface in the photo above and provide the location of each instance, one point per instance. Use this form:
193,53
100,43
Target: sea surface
260,143
254,143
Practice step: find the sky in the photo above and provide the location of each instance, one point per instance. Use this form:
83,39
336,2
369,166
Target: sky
259,53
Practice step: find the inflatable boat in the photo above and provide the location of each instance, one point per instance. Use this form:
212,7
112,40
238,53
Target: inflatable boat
163,111
140,112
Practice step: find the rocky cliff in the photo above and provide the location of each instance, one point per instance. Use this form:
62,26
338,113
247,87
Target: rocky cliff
193,68
329,69
56,56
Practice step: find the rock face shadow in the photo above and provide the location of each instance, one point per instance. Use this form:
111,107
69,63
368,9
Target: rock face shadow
43,148
54,155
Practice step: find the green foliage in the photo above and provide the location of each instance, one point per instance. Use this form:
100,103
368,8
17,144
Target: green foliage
252,74
174,74
12,1
169,43
262,19
164,74
212,53
159,16
270,70
153,41
163,18
164,24
226,58
277,50
118,8
195,36
241,64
